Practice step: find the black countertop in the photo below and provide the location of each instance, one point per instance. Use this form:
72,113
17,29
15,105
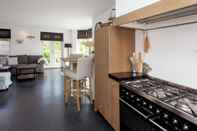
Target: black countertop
126,76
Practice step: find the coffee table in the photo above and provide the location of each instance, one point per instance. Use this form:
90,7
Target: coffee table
24,72
5,69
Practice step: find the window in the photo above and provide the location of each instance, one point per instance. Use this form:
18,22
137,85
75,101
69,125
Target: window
86,46
51,51
4,47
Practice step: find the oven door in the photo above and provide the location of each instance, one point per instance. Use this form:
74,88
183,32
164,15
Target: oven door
133,120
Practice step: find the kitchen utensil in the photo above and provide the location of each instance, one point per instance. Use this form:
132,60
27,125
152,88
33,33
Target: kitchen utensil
146,43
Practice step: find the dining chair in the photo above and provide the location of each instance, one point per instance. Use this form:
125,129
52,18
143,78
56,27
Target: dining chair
79,78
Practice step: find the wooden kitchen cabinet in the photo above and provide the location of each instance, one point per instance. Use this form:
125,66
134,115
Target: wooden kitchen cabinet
113,46
114,106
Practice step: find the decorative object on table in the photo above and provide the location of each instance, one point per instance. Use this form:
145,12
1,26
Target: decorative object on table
146,43
137,63
140,63
146,68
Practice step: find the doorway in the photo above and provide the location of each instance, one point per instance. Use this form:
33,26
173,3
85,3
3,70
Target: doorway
51,51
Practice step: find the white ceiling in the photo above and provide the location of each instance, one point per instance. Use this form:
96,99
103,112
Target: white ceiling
52,13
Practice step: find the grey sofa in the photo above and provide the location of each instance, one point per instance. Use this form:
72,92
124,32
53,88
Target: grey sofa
23,60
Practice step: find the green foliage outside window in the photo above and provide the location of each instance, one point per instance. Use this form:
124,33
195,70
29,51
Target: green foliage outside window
46,52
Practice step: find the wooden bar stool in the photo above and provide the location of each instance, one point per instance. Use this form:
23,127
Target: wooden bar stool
82,73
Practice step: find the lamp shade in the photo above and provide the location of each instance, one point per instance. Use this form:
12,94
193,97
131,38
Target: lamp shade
68,45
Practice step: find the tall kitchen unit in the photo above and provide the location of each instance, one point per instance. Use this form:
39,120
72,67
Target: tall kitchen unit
113,46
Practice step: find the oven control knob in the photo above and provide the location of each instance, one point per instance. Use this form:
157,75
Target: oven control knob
150,107
132,96
165,115
175,121
157,111
185,127
138,99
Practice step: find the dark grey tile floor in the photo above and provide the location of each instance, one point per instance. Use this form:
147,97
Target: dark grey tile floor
39,106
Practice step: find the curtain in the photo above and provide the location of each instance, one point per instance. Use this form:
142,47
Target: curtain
50,36
84,34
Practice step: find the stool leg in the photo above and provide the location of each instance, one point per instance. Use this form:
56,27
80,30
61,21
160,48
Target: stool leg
66,89
90,90
78,94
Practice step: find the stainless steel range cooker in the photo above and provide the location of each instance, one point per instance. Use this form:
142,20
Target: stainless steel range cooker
156,105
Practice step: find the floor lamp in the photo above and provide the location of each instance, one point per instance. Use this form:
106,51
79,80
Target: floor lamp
68,46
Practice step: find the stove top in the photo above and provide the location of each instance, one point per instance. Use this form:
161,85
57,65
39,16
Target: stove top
142,84
187,104
171,95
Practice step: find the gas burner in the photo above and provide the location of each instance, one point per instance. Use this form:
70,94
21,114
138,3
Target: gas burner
187,104
141,84
165,92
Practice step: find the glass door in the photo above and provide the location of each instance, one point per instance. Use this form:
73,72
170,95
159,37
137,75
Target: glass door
51,51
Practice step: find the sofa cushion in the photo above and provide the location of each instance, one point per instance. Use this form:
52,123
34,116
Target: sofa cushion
3,60
13,61
33,59
22,59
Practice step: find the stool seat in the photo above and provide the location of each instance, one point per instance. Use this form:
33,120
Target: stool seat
73,75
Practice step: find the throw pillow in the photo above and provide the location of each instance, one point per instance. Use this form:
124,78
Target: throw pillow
13,61
4,60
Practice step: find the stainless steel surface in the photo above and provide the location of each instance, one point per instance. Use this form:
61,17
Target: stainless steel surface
123,101
178,99
157,125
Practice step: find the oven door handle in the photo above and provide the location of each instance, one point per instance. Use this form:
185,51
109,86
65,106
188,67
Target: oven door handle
160,127
133,108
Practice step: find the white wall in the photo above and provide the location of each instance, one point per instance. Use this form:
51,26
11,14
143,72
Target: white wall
32,46
76,43
173,54
125,6
5,47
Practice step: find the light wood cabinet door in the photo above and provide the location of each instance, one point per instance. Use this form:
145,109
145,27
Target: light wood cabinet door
101,70
121,47
114,106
